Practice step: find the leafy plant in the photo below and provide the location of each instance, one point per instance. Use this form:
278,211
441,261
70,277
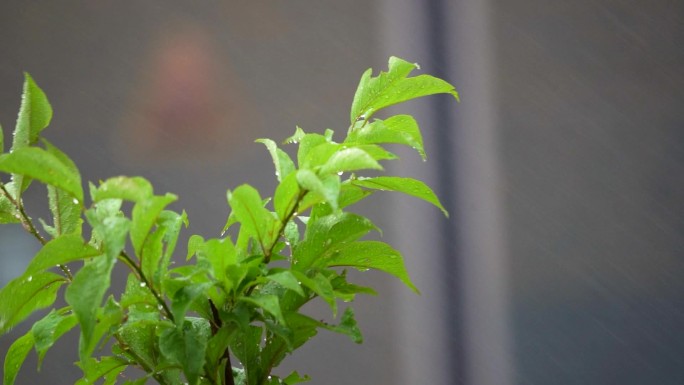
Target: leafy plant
233,312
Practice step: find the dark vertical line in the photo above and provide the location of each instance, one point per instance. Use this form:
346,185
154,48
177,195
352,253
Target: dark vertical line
438,38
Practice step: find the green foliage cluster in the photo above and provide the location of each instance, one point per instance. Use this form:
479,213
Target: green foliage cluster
236,298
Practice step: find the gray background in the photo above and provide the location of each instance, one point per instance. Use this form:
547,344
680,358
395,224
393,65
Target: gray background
566,160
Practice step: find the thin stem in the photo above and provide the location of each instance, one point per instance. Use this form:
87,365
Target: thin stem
131,264
284,223
27,224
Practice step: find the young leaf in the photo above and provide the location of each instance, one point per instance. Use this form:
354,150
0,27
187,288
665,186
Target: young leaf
350,159
85,296
184,297
283,164
60,251
269,303
295,378
151,255
39,164
399,129
26,294
35,114
348,326
140,338
107,367
325,187
135,189
371,255
15,357
144,216
49,329
8,212
286,279
306,143
87,290
320,285
286,195
249,210
393,87
408,186
186,346
66,211
326,234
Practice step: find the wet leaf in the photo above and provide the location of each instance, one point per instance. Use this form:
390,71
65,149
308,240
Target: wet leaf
134,189
283,164
39,164
393,87
408,186
372,255
26,294
15,357
59,251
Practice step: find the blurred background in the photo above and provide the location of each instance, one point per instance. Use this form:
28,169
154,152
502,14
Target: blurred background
562,262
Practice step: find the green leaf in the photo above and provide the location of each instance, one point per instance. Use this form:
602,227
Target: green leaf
325,234
245,346
286,279
171,222
144,216
326,187
286,195
15,357
49,329
318,153
296,137
347,326
135,189
85,296
220,253
66,212
59,251
371,255
350,159
35,114
320,285
393,87
151,255
107,367
8,212
26,294
350,194
295,378
108,318
269,303
187,346
44,166
140,338
306,143
399,129
185,296
283,163
408,186
249,210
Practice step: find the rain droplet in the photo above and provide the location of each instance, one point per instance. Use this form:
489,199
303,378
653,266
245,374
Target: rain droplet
143,284
340,173
75,201
30,278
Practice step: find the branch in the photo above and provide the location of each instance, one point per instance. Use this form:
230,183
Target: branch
131,264
27,224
